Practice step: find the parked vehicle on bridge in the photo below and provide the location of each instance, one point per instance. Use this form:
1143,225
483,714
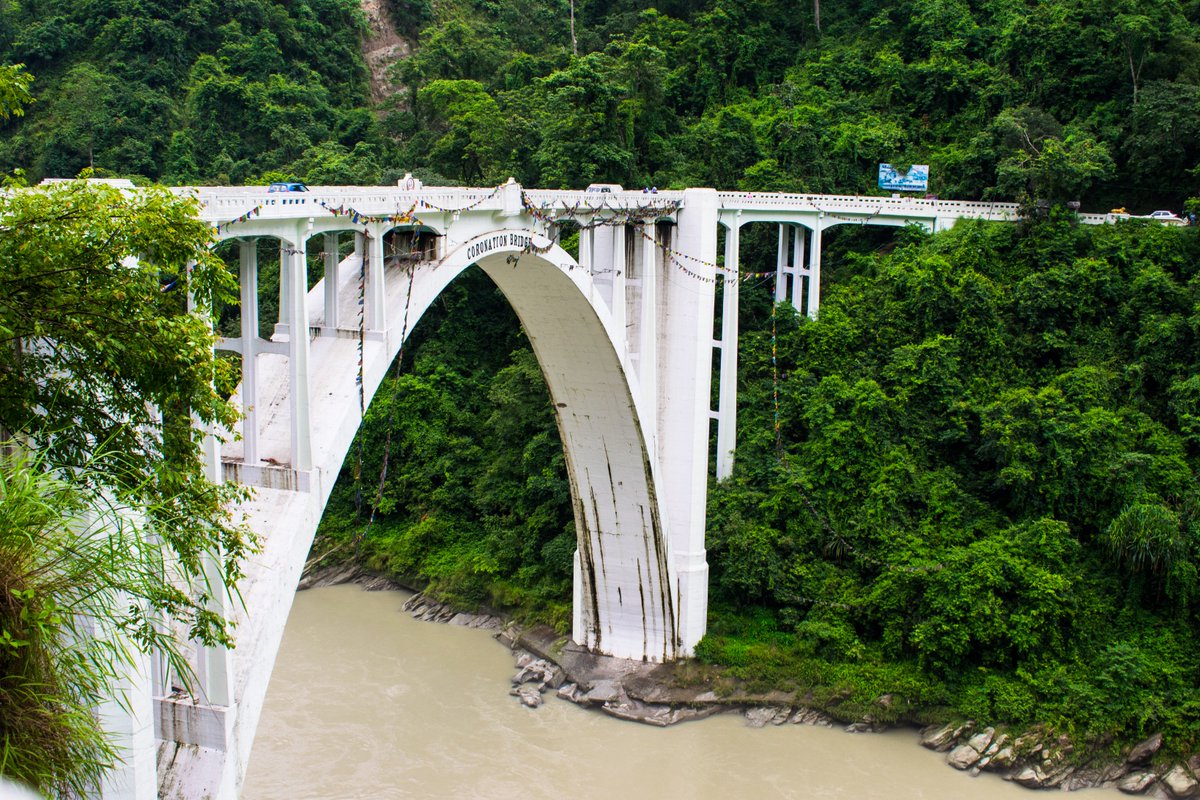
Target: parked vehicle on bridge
605,188
287,186
1166,217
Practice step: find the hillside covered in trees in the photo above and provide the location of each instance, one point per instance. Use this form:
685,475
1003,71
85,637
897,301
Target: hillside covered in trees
981,497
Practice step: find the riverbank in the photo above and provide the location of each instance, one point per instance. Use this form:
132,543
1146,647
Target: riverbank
665,694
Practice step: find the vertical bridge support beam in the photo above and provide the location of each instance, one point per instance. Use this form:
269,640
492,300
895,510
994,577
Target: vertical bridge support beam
648,323
685,366
331,283
727,393
375,311
248,274
298,346
814,269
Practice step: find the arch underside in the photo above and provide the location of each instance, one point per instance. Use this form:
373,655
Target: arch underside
624,604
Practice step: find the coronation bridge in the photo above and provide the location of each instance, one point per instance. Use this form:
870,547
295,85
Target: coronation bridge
625,336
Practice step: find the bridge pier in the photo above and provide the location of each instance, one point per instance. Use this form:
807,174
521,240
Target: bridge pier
685,370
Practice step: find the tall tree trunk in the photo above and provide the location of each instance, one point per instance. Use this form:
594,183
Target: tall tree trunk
817,14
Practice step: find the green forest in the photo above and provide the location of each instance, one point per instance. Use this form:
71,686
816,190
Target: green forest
970,483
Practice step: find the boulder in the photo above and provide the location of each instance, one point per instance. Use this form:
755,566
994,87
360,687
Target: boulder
997,745
980,741
938,738
1136,782
603,692
1142,752
1002,758
760,716
810,716
963,757
1030,777
1181,782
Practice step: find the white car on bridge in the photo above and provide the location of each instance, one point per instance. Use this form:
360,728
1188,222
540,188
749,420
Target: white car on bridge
1166,217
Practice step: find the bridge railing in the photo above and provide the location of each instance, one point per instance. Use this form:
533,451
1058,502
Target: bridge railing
598,202
867,204
224,203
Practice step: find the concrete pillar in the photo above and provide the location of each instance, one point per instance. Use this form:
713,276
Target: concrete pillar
301,426
127,717
648,343
285,294
727,391
619,304
375,311
781,265
331,283
248,274
685,370
814,268
214,668
586,246
797,266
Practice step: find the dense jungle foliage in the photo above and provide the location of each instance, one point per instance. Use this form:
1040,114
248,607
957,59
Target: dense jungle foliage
982,495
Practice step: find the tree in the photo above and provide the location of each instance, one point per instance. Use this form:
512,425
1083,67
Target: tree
1046,161
109,377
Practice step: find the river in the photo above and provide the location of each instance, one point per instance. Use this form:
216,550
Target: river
366,702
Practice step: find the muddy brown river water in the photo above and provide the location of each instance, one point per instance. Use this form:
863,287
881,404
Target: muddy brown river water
366,702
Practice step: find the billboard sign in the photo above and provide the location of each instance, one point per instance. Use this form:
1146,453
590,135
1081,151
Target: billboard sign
915,179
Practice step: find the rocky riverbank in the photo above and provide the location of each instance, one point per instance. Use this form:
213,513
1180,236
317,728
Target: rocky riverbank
665,694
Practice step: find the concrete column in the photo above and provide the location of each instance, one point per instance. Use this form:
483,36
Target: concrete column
619,304
331,283
298,390
798,266
127,717
215,669
648,344
685,370
586,241
814,268
781,265
727,392
376,313
248,274
285,294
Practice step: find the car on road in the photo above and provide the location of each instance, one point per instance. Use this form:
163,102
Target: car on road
287,186
1165,217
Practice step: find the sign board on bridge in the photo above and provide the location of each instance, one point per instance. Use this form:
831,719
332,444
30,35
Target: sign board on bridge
915,179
